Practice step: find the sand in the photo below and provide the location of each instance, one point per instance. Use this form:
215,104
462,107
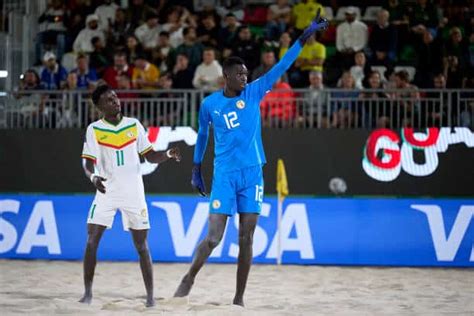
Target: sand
53,287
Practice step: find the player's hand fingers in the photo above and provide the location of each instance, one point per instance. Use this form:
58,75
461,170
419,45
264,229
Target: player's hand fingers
102,178
100,187
202,192
317,15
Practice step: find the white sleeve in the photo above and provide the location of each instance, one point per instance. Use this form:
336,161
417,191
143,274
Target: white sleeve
91,148
339,39
143,143
196,82
77,46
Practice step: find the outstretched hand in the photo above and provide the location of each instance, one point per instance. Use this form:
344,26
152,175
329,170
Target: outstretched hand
317,24
175,154
197,181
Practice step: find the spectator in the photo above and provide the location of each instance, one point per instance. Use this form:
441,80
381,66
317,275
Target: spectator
456,46
86,78
423,17
285,43
208,75
344,111
53,76
31,104
208,32
311,58
148,33
182,75
162,54
228,34
316,102
175,24
396,12
429,60
268,60
278,107
124,82
383,40
360,69
83,40
133,48
119,29
404,115
106,13
246,48
99,58
304,12
453,72
120,67
351,36
138,12
279,16
145,75
190,47
434,107
53,20
376,112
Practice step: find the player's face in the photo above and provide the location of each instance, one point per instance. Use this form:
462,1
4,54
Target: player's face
237,77
109,103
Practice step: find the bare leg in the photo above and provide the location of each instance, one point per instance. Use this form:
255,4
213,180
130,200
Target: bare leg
90,259
217,223
247,225
141,244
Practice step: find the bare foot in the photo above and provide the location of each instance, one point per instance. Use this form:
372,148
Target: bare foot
239,301
184,287
86,299
150,302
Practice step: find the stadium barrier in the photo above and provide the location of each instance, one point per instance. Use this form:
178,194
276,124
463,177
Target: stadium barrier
388,232
328,108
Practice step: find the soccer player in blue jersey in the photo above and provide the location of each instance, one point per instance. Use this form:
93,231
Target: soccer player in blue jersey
234,113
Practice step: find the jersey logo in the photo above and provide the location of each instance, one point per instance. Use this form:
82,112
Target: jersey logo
143,213
218,113
116,139
240,104
216,204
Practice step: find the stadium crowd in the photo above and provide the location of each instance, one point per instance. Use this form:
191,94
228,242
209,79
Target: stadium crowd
179,44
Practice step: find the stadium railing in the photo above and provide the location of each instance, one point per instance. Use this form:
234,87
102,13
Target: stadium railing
302,108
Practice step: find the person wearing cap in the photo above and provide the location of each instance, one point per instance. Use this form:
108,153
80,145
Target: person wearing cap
83,40
351,37
149,32
145,74
53,76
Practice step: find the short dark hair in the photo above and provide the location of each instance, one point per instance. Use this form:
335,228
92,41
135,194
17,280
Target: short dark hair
187,29
403,75
164,33
98,92
232,61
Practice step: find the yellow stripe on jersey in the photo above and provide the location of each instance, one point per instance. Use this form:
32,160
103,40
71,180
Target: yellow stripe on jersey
146,150
116,139
90,157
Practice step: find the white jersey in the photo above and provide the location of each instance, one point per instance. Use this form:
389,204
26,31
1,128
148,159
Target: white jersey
115,151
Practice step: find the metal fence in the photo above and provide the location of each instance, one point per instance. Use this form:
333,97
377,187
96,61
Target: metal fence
328,108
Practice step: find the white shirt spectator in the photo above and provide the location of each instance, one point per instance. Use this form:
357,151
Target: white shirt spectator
106,13
148,36
207,76
83,39
351,35
357,73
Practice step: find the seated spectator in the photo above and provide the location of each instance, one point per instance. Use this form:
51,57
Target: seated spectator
127,98
53,76
429,60
119,28
434,107
383,40
311,58
405,111
344,106
304,12
83,40
456,46
148,33
99,58
120,67
453,72
285,43
267,61
351,37
208,32
133,48
279,16
138,11
86,76
145,75
423,17
246,48
176,21
228,33
317,108
30,104
106,13
208,75
360,69
191,47
376,112
182,74
397,12
161,55
278,107
54,29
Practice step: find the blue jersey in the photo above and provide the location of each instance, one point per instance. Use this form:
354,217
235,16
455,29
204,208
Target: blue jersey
236,121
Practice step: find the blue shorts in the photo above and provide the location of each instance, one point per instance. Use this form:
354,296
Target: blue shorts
240,190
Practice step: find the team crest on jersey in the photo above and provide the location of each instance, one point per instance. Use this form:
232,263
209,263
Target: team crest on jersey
216,204
143,212
130,134
240,104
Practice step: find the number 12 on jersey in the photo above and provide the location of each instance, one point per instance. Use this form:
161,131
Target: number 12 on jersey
230,120
119,154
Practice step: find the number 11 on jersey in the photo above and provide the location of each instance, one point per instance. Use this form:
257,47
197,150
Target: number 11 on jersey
119,154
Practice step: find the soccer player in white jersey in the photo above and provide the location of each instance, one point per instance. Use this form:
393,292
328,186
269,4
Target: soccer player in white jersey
112,163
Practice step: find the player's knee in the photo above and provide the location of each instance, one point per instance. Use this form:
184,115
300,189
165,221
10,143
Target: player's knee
245,239
142,247
92,243
213,241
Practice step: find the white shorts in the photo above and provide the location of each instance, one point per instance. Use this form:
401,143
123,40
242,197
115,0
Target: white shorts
132,217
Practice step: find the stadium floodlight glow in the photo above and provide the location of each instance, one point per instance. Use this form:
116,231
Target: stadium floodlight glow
3,73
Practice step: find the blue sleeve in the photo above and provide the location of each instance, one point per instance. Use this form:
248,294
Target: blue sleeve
203,134
265,83
62,74
92,75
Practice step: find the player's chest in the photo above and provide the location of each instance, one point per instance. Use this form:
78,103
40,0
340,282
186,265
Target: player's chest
233,115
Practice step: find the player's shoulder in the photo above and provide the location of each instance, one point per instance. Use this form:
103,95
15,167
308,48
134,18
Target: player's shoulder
212,98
